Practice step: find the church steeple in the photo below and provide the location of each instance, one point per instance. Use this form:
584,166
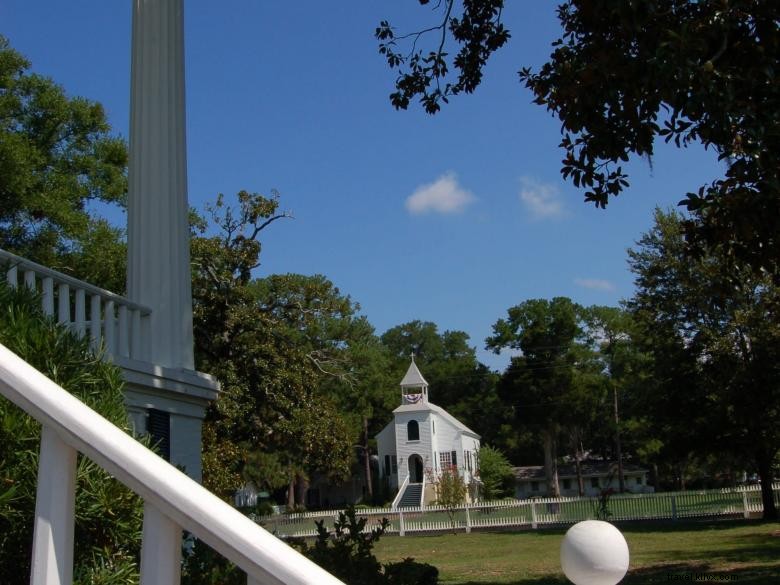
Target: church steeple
414,388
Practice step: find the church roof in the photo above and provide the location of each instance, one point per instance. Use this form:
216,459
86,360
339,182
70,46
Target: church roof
413,376
438,410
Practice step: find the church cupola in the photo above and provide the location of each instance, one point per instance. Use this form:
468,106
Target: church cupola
414,388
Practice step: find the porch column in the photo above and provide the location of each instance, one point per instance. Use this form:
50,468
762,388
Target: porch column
158,267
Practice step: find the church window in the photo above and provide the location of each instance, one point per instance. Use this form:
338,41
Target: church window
433,426
413,431
534,486
567,484
445,460
594,482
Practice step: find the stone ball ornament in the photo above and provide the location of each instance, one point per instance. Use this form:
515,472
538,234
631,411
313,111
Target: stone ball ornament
594,552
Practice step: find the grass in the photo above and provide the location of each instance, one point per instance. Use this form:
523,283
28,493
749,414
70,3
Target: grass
748,552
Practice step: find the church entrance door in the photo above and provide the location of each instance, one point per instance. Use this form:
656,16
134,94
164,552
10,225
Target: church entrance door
415,469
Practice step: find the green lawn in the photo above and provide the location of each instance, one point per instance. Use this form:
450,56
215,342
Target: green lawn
748,551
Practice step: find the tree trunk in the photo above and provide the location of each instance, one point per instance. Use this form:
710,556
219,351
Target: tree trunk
301,487
367,460
551,464
578,465
291,492
767,494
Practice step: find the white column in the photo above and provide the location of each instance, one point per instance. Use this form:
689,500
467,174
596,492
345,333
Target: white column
158,268
52,553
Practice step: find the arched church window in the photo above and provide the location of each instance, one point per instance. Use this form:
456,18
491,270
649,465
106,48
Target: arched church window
413,431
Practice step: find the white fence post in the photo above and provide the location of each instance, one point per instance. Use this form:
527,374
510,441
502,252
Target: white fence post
160,549
746,509
401,528
533,515
52,553
468,520
674,507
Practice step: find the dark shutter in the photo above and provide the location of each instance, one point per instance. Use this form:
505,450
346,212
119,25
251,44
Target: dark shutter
387,464
454,458
158,425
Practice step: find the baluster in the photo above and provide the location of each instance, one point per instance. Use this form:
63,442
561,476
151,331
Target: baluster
135,334
11,277
94,321
29,279
52,552
63,310
124,332
80,316
48,295
160,549
109,326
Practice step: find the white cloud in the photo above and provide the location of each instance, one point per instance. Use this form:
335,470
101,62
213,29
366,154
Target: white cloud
444,195
595,283
541,199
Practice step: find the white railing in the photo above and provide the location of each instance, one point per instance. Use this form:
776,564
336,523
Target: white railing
112,320
172,501
400,494
507,514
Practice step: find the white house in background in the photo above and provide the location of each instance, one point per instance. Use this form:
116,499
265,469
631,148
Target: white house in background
421,441
530,481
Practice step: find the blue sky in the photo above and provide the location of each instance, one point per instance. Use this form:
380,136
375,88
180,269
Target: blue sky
451,219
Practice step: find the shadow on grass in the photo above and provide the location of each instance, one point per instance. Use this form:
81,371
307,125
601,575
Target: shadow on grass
670,574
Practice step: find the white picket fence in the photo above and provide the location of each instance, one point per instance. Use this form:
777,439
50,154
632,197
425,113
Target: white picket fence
514,514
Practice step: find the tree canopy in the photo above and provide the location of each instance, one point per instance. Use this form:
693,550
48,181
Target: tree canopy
624,75
57,154
714,334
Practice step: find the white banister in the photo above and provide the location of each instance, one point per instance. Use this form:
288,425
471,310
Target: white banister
94,321
161,549
135,334
80,308
124,332
63,305
47,288
109,326
180,499
52,554
128,338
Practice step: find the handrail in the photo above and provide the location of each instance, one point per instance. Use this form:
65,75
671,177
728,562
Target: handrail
400,494
70,280
422,493
262,556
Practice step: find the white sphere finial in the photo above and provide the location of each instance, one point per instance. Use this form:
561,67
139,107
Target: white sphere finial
594,553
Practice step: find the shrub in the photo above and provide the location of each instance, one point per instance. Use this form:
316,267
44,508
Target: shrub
410,572
108,515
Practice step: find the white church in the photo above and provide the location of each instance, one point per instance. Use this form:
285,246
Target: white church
422,440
